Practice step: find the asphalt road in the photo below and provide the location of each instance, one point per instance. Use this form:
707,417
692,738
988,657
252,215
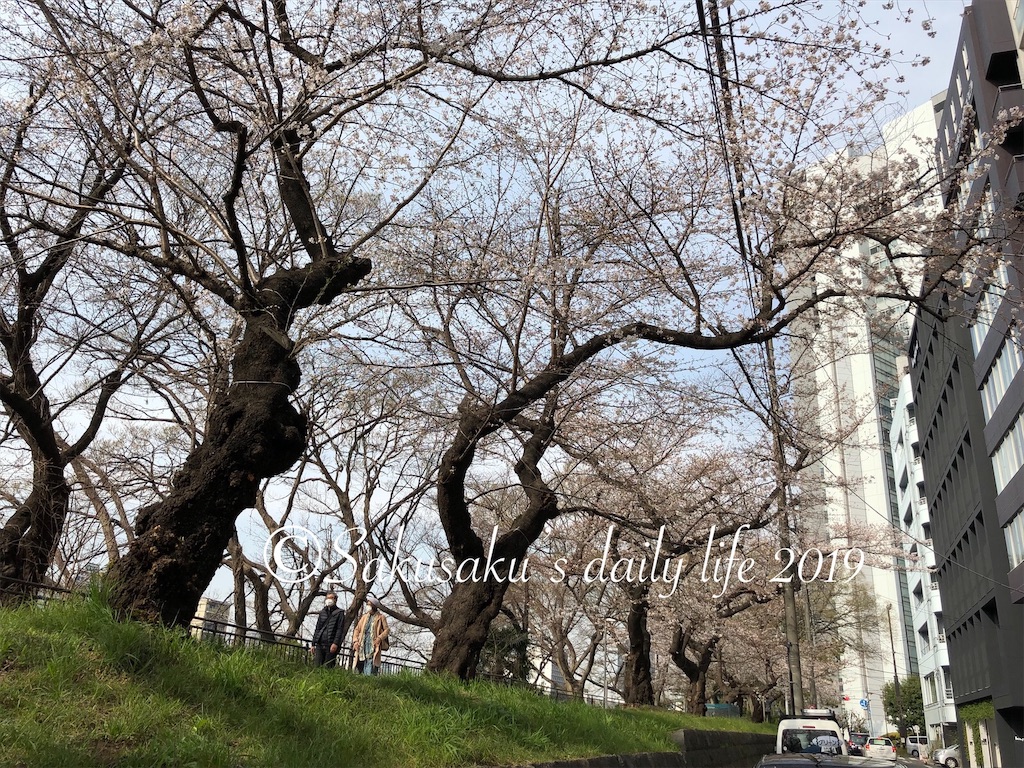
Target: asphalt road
912,763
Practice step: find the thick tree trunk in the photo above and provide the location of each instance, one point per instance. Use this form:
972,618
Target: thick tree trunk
756,710
638,686
241,619
468,611
260,603
467,614
254,433
28,540
698,695
696,671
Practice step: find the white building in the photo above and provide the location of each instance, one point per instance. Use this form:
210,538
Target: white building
211,620
847,365
926,605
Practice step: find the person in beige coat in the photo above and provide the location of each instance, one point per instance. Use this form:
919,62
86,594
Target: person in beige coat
370,639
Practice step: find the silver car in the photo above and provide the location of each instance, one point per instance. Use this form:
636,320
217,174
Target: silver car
948,756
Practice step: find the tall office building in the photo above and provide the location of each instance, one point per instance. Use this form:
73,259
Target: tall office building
969,390
847,373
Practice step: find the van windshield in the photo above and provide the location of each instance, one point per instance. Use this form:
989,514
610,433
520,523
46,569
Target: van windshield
810,740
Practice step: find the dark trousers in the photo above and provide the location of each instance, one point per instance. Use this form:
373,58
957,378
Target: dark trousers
322,657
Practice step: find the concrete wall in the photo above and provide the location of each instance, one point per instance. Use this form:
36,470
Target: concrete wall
697,749
722,749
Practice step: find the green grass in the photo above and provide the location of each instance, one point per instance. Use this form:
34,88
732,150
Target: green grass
79,689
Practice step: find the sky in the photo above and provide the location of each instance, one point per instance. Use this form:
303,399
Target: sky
923,82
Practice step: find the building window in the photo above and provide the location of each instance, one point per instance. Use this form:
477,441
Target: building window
948,680
988,303
1005,367
930,691
986,215
1009,454
1014,532
985,313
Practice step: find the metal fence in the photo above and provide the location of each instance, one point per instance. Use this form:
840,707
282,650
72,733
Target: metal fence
293,648
30,591
723,710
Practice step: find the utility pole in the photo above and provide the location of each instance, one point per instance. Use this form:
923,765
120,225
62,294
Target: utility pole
810,634
760,294
782,485
896,676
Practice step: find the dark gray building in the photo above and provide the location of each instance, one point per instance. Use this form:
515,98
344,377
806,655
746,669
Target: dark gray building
968,383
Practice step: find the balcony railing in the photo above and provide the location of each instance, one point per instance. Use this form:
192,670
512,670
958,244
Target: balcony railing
1013,183
1008,97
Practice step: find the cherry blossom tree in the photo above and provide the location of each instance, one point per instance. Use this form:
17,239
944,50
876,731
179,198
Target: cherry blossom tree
557,200
71,342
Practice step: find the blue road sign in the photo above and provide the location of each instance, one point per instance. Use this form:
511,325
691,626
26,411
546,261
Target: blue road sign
863,703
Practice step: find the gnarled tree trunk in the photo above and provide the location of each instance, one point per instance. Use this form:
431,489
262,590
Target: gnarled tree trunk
638,685
254,433
467,614
470,608
696,671
29,538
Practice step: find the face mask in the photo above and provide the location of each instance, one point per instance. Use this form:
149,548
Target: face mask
329,603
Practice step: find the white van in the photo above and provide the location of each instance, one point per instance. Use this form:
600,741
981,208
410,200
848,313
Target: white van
814,731
918,746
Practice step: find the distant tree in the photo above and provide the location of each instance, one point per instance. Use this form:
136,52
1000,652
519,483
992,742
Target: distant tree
504,655
76,321
911,703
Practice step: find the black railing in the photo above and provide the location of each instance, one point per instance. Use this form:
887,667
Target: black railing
231,635
12,589
294,648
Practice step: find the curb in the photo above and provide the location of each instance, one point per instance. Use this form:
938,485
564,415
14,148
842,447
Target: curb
639,760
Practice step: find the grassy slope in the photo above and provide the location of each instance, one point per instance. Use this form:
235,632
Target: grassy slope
78,689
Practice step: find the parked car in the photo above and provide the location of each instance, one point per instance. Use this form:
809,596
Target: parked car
948,756
881,748
814,731
857,742
917,746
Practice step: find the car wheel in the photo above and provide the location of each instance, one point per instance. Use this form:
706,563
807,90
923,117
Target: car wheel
951,762
915,754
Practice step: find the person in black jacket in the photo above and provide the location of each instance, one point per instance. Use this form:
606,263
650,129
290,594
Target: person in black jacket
329,633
